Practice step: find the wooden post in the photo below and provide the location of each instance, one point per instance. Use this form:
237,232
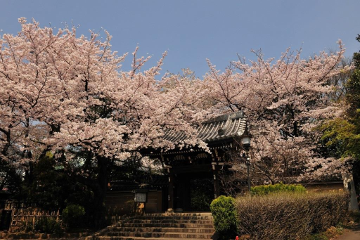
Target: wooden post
216,186
170,190
216,179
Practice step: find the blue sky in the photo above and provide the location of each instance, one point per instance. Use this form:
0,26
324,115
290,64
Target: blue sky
193,30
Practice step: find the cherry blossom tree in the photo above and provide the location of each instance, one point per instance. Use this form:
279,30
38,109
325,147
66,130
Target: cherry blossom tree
283,100
67,94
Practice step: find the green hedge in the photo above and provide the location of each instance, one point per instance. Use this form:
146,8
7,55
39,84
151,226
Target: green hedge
224,214
277,188
73,215
289,216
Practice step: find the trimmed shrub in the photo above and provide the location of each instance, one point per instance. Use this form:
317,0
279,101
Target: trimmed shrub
277,188
73,215
48,225
224,214
290,216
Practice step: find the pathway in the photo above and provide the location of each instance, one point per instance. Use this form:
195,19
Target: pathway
350,234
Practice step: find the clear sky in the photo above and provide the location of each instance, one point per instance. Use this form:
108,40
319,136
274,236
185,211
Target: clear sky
193,30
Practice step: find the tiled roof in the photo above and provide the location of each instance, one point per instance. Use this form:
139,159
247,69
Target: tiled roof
216,129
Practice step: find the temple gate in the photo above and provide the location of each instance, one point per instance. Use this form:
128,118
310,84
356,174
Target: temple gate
193,180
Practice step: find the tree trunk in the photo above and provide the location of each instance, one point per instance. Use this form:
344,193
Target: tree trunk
100,192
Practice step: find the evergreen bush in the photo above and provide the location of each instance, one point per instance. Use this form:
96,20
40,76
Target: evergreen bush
224,213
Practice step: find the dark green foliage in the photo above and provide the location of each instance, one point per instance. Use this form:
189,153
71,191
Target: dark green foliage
10,179
48,225
73,215
52,184
277,188
290,216
49,187
338,136
224,214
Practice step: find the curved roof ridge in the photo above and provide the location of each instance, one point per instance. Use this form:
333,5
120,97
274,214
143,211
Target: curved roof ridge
219,128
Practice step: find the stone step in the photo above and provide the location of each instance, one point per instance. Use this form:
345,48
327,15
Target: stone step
162,234
160,227
179,214
172,219
172,215
135,238
178,225
163,229
169,221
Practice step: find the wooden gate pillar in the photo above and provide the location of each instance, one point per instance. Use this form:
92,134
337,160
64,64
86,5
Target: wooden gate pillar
216,179
171,178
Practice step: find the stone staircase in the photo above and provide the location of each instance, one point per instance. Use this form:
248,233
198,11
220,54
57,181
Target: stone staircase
174,226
